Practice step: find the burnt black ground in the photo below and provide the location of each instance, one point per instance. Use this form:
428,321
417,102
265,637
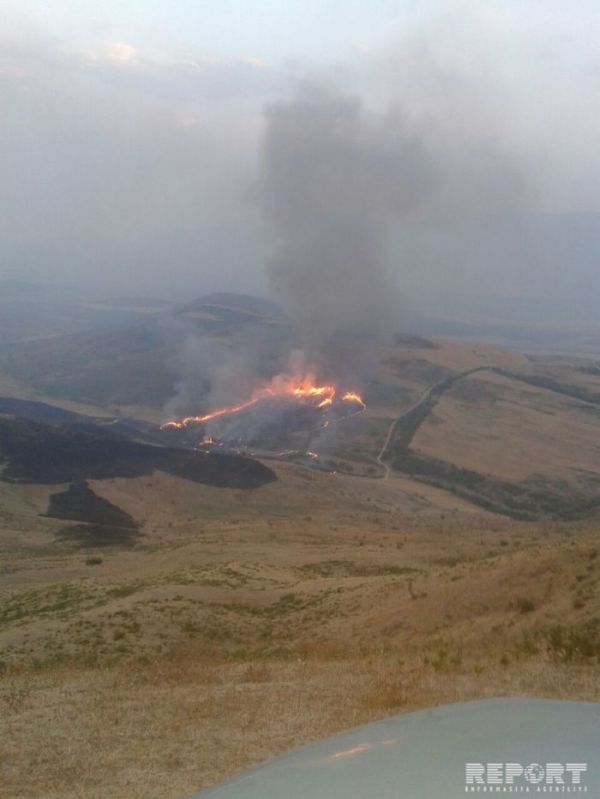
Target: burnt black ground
103,523
37,453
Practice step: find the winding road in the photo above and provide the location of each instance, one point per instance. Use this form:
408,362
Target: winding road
420,411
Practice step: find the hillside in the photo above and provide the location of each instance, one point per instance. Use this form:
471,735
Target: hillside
436,545
137,364
336,603
506,432
35,453
37,311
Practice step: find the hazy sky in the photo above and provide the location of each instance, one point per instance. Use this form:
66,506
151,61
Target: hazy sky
131,132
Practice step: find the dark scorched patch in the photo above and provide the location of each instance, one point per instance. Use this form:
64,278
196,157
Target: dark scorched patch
103,523
36,453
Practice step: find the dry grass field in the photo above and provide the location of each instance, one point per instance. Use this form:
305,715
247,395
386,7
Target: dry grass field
481,421
244,623
240,623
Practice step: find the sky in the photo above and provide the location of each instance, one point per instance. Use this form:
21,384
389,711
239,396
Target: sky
131,138
269,30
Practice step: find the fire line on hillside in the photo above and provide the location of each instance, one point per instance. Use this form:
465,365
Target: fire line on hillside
274,412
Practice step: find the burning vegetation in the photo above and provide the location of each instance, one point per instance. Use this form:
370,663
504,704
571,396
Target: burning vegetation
285,411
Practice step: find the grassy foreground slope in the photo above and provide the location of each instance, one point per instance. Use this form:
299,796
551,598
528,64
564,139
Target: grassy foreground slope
243,623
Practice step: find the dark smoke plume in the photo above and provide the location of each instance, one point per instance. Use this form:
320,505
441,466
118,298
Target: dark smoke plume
333,177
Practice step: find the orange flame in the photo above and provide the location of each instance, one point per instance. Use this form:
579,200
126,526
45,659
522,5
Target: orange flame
352,396
303,389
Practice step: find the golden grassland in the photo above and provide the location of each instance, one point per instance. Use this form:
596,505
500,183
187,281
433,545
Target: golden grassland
261,620
184,721
512,430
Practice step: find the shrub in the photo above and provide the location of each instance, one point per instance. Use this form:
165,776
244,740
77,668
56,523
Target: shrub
582,642
525,606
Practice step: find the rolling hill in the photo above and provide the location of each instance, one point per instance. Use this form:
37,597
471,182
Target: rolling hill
137,364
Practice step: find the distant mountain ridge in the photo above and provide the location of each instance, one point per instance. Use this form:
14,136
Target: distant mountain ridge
243,302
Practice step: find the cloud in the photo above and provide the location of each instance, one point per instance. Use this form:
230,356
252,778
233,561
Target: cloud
121,52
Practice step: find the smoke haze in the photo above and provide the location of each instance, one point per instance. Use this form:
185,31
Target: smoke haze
130,138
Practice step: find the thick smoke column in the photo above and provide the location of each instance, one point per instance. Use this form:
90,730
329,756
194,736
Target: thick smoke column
333,178
336,179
